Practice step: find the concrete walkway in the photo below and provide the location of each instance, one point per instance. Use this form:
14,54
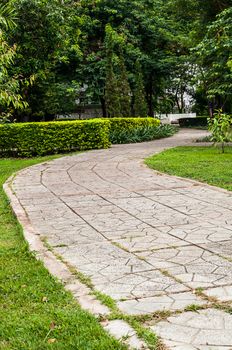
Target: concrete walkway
152,242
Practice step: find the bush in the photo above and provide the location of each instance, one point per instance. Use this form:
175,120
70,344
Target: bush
193,122
29,139
141,134
126,124
221,128
32,139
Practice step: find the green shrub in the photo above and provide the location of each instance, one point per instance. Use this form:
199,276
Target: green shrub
193,122
221,127
29,139
125,124
32,139
141,134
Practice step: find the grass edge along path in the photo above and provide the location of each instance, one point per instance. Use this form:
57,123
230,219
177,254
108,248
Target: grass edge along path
205,164
36,312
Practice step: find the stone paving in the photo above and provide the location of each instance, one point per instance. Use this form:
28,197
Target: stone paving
146,239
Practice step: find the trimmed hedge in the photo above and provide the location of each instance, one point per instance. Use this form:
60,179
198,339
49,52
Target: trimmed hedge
31,139
125,124
191,122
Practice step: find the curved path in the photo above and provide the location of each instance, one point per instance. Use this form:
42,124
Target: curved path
148,240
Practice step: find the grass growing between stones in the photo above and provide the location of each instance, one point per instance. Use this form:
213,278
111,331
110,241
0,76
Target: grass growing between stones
36,312
136,322
206,164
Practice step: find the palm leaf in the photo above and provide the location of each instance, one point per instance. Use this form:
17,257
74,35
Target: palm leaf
7,16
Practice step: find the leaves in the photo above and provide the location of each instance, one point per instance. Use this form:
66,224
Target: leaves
221,127
214,55
7,16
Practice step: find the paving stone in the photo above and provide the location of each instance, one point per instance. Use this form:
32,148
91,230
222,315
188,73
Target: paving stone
170,302
144,238
201,233
116,272
192,265
94,306
152,239
206,329
152,212
122,331
220,293
78,289
223,248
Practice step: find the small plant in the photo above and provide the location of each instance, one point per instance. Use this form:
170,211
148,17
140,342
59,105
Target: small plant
141,134
4,118
221,127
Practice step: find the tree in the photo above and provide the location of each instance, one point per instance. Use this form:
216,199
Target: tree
112,99
124,89
213,57
140,105
7,16
145,31
61,48
47,41
10,97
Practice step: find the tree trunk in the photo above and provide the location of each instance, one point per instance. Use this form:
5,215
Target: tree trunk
150,97
211,109
103,106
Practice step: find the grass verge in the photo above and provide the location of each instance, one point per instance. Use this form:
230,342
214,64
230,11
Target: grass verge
36,312
206,164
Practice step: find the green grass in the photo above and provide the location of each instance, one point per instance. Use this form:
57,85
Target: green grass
35,311
206,164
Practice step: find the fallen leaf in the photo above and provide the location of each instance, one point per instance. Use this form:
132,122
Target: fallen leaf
51,341
52,325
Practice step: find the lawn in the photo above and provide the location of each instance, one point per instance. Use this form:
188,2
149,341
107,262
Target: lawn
35,311
206,164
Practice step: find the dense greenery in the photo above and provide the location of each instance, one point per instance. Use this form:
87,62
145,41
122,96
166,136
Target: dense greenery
139,56
221,128
199,163
130,130
28,139
141,134
125,124
194,122
35,311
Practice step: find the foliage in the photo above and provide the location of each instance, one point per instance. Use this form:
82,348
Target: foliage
145,34
214,55
200,163
86,51
193,122
10,97
7,16
117,88
221,128
112,99
140,104
124,90
141,134
124,124
28,139
46,43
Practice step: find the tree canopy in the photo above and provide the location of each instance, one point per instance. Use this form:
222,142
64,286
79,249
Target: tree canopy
137,57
